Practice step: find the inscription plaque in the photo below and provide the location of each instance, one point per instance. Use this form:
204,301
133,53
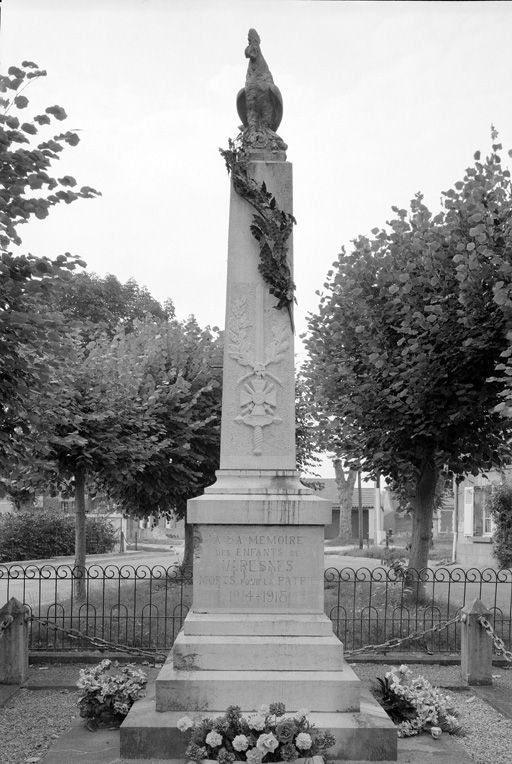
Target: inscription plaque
240,568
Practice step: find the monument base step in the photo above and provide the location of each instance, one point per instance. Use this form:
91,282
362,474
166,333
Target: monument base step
367,735
249,653
258,624
204,690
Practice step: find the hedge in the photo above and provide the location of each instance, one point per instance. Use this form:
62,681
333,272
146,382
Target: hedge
39,534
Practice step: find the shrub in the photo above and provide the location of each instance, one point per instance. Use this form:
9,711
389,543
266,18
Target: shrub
501,509
39,534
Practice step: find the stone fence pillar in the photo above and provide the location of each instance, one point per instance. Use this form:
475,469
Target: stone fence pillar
13,642
475,645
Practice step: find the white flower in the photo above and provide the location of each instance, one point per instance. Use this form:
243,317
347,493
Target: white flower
303,741
240,743
268,742
185,723
256,722
213,739
264,709
302,713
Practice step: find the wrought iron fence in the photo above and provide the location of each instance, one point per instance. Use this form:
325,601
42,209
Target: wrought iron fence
141,606
145,606
370,606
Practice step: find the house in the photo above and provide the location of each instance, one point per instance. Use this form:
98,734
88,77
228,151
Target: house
475,525
377,511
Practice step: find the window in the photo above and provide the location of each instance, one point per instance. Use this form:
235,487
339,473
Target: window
477,515
67,505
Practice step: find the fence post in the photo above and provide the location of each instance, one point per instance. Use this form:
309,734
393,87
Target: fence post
475,645
13,642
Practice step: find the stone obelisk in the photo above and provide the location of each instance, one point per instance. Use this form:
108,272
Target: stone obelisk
257,632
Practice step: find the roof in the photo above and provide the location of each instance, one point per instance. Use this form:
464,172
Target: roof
330,492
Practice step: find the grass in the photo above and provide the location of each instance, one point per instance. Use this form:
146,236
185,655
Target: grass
442,550
371,612
147,613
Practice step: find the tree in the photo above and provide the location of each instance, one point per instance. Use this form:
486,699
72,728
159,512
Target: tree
178,356
95,427
501,509
29,337
104,304
409,354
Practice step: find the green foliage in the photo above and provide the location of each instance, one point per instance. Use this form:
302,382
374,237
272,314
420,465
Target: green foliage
307,459
181,389
38,534
102,305
271,227
30,336
410,358
501,509
25,167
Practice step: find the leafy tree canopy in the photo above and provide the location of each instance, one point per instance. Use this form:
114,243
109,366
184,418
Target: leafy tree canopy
409,349
105,304
29,335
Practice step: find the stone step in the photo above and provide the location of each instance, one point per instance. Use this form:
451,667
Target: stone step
368,735
257,624
219,653
204,690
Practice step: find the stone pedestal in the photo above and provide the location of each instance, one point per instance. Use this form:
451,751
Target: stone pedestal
13,642
257,632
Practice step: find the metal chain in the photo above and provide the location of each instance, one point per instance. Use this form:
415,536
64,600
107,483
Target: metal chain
4,625
396,641
101,643
499,644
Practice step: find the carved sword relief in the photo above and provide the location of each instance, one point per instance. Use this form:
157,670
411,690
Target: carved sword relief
258,393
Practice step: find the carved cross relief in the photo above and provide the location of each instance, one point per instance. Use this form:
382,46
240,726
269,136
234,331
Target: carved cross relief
258,386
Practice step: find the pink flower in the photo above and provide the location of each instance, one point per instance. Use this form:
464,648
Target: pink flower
213,739
185,723
240,743
267,742
303,741
256,722
254,756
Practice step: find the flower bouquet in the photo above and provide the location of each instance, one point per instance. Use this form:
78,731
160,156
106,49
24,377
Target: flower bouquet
414,705
267,735
108,693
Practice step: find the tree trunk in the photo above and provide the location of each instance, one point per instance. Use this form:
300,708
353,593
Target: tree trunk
188,551
345,485
422,527
80,571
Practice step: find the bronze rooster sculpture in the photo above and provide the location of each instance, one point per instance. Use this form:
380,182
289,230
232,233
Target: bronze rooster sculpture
259,103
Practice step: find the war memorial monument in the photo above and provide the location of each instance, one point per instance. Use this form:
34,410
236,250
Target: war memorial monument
257,632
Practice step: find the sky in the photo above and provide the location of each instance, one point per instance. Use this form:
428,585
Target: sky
381,100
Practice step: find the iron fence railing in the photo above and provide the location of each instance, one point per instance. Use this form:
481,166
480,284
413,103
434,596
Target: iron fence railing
145,606
370,606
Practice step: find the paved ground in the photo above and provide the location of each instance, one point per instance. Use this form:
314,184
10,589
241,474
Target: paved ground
79,745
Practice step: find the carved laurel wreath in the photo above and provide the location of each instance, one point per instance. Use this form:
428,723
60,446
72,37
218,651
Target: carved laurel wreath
271,227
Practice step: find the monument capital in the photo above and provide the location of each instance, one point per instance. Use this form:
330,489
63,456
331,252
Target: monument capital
259,103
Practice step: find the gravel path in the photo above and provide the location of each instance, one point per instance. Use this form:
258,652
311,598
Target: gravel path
488,734
33,719
31,722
